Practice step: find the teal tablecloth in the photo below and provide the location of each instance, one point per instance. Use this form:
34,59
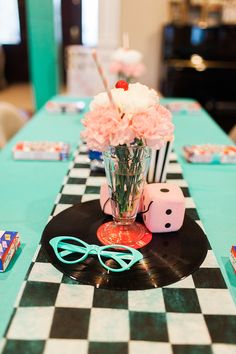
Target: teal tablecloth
28,190
27,193
213,187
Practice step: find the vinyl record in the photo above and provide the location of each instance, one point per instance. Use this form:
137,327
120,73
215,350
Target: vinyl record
168,258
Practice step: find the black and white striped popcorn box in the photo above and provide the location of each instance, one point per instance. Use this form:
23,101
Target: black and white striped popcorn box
158,164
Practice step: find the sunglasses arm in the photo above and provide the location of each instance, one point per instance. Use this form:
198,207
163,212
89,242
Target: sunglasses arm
69,248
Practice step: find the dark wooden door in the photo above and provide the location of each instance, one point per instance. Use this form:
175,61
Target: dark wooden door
16,55
71,16
71,22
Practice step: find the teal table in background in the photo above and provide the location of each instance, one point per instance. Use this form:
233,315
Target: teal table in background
27,193
28,190
213,187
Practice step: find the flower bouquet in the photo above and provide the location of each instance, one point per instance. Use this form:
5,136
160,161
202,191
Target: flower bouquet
124,124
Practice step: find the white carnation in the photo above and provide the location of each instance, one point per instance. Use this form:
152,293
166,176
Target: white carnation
99,100
127,56
137,98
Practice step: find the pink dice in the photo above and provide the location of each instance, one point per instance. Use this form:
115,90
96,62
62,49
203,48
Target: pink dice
167,208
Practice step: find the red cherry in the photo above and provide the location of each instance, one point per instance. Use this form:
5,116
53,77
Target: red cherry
122,84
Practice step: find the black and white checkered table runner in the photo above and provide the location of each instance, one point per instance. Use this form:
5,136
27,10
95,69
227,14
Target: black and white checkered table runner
54,314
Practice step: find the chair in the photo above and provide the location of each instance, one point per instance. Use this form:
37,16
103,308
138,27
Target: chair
11,121
232,133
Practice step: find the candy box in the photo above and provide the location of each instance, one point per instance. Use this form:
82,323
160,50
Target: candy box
183,107
65,107
41,150
210,153
9,243
233,257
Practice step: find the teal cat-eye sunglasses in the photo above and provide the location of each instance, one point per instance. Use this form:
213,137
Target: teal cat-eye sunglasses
120,257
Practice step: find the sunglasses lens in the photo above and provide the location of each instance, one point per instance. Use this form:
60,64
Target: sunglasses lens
71,250
116,258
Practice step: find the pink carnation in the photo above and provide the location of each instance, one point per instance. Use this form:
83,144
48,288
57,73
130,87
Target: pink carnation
132,70
123,133
139,116
115,67
105,127
154,125
128,70
99,123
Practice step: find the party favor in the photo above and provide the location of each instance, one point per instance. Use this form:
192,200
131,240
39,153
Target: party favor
65,107
233,257
210,153
41,150
9,243
183,107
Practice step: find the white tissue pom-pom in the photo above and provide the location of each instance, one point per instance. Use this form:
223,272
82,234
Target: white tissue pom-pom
137,98
127,56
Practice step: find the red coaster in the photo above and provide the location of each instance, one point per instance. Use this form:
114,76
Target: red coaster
135,235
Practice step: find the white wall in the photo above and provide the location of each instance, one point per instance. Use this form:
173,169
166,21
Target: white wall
109,23
143,20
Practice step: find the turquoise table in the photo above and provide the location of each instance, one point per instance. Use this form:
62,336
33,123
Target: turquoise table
27,193
213,187
28,190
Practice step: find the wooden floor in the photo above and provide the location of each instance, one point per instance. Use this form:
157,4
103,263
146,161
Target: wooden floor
20,95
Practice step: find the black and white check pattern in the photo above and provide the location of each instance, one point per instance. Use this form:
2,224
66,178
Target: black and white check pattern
54,314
